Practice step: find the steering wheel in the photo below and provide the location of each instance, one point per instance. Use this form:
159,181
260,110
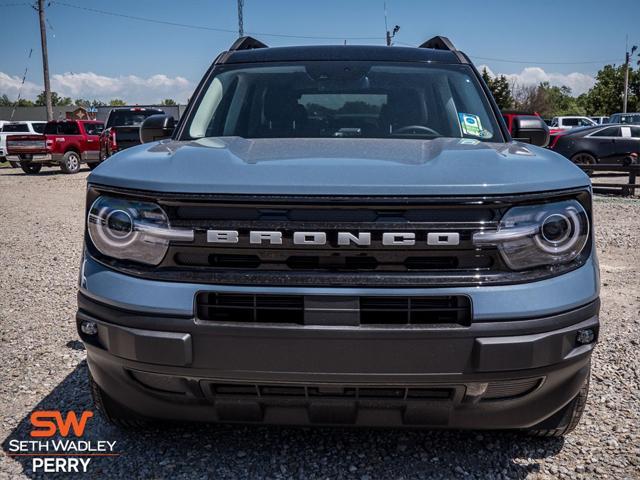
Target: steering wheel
420,128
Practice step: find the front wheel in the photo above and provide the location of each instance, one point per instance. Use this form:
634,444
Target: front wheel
114,412
566,420
30,168
70,162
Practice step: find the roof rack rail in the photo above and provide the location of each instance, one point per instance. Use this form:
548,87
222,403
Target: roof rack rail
439,43
443,43
246,43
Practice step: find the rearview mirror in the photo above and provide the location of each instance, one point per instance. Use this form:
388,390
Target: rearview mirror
531,129
156,127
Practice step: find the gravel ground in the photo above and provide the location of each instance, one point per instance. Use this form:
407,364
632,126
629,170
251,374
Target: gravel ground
44,368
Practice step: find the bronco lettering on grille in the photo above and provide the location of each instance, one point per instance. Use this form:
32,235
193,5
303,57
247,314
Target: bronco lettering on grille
341,238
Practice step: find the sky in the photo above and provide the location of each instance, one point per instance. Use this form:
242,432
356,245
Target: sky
105,56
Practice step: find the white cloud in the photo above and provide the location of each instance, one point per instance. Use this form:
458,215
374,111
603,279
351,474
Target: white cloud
578,82
10,86
130,88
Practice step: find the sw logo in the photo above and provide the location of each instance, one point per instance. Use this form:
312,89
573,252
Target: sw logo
48,422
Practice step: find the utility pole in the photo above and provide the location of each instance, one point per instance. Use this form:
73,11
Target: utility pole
240,19
389,35
626,82
45,60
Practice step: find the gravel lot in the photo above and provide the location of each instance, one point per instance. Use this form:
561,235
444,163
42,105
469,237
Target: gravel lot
44,368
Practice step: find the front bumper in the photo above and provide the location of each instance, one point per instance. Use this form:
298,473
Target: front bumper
493,374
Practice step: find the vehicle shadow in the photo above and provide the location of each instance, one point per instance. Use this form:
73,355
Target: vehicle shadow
227,451
43,173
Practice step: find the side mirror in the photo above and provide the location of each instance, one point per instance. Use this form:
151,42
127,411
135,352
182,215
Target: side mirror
530,129
156,127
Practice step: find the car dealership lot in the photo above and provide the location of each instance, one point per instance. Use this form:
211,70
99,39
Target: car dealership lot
43,368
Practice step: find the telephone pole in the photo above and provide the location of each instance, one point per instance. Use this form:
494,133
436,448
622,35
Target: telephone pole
45,60
240,19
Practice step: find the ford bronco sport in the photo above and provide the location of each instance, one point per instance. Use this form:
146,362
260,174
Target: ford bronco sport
341,235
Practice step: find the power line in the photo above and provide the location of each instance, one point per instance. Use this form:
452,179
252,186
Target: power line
586,62
202,27
504,60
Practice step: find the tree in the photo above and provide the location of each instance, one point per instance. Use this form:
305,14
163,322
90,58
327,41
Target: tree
5,102
85,103
547,100
56,100
500,89
23,102
168,102
117,102
606,96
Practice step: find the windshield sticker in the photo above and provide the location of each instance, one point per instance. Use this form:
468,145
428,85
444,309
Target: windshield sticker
471,124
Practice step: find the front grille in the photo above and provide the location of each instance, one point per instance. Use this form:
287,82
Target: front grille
377,264
221,307
248,263
257,392
353,311
415,310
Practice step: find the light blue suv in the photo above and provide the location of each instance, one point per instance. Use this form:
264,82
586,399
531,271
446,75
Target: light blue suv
341,235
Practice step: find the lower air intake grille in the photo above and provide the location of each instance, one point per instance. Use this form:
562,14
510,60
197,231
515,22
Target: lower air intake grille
365,311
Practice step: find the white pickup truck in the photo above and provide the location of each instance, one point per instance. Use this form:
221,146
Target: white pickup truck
566,123
17,128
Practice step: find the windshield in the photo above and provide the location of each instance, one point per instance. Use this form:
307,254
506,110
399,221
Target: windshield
344,99
130,118
626,118
15,127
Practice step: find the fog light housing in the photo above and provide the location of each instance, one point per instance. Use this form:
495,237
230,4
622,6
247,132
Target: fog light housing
88,327
585,336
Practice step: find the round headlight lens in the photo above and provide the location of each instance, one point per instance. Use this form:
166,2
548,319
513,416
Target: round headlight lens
537,235
128,230
555,228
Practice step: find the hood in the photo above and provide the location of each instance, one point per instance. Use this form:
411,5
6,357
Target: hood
339,166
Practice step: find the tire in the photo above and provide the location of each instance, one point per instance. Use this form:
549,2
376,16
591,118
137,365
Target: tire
30,168
113,412
566,420
583,159
70,162
93,165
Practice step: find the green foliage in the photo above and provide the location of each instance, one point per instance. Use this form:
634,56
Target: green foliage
5,102
86,103
500,89
56,100
168,102
606,96
117,102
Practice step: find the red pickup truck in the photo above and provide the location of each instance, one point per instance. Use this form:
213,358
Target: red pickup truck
66,143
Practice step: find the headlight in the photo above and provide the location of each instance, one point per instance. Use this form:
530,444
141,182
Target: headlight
536,235
132,230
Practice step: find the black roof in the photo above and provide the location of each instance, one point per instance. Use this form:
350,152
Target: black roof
248,50
340,52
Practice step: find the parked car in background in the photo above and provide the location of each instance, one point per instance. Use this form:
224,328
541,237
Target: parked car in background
17,128
122,129
566,123
66,143
600,120
628,118
600,144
